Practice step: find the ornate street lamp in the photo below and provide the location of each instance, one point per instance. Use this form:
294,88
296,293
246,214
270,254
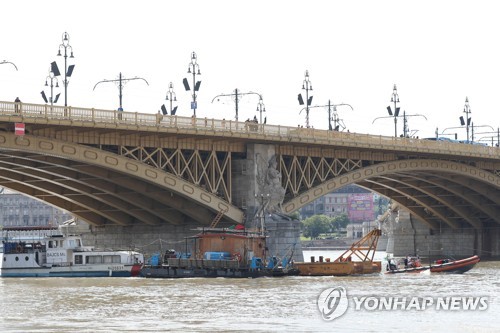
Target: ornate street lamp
194,69
307,86
394,99
52,77
67,70
172,98
467,120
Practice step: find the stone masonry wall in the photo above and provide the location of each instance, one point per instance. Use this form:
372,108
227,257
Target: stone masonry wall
284,236
411,236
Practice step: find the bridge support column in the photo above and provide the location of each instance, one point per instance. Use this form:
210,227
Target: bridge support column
284,237
411,236
249,178
245,180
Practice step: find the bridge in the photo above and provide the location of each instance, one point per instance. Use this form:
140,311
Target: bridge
128,168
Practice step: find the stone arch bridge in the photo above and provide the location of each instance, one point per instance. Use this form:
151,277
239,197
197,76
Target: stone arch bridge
128,168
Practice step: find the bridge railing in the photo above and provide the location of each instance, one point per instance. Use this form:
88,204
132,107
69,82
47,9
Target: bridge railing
44,112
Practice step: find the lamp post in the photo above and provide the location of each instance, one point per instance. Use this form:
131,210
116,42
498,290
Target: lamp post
237,97
307,86
172,97
67,70
467,120
261,108
394,99
121,81
51,77
193,68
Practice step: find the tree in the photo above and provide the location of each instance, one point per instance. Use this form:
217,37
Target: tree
339,222
316,225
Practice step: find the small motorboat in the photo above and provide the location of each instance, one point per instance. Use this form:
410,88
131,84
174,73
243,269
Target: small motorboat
439,266
455,266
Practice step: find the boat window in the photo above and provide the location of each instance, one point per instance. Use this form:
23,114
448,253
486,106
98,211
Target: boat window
78,259
93,260
111,259
51,244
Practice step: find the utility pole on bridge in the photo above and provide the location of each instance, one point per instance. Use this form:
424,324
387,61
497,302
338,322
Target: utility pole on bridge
332,108
121,81
237,97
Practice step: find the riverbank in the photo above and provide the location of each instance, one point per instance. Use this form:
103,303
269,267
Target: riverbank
337,244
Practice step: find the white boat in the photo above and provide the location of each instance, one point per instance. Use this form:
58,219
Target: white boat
63,256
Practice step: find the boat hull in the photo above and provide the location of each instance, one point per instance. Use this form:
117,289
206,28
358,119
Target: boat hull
452,267
71,271
337,268
178,272
456,267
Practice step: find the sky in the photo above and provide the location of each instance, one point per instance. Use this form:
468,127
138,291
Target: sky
436,52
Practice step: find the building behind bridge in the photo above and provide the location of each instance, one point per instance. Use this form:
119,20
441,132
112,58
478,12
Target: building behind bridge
359,204
20,210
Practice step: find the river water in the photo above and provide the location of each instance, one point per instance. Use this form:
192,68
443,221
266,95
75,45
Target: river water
257,305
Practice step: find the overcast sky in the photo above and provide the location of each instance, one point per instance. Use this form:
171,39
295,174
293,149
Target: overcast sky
436,52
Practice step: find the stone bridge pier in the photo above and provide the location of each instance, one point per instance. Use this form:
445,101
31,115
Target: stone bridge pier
408,235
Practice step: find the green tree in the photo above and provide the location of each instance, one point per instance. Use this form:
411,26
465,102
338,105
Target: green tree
316,225
340,221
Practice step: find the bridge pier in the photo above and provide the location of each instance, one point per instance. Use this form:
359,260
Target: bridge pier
411,236
284,237
253,193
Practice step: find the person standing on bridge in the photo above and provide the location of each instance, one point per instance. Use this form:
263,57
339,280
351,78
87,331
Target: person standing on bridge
17,106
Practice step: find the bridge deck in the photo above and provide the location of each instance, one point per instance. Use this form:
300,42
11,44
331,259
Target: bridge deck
41,116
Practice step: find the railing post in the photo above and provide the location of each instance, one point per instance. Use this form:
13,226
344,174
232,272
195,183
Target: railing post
93,114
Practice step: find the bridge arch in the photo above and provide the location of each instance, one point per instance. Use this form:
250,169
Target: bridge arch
435,191
102,187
